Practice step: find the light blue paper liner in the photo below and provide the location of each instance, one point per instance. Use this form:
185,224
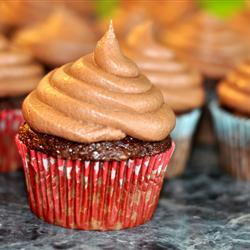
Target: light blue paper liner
186,124
230,128
182,135
233,134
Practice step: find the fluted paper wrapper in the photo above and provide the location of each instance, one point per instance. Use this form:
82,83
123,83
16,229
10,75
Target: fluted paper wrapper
10,120
93,195
233,135
182,135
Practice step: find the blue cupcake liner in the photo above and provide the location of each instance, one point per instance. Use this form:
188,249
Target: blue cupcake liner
186,124
182,135
230,128
233,135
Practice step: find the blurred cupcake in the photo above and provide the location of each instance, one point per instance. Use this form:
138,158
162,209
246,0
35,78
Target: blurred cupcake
84,8
181,87
124,20
96,143
240,22
19,74
209,44
231,116
19,13
61,38
164,13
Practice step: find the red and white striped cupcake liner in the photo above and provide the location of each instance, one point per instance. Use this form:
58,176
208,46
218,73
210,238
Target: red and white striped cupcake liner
93,195
10,120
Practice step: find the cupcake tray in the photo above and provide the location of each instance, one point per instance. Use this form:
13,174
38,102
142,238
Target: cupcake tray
204,209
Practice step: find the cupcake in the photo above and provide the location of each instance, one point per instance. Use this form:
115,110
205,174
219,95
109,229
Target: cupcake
176,10
20,13
180,84
84,8
240,22
61,38
96,144
231,115
19,74
124,20
209,44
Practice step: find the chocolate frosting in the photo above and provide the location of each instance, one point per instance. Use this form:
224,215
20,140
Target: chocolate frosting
208,43
240,22
234,90
100,97
181,85
19,74
17,13
61,38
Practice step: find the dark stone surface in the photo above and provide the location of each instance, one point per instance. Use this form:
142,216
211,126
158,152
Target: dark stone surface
204,209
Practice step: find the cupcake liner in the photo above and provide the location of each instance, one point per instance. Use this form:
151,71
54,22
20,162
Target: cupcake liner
233,135
182,135
93,195
10,120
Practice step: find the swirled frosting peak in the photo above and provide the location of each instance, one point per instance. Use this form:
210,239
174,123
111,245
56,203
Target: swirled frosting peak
100,97
181,85
61,38
208,43
19,74
234,90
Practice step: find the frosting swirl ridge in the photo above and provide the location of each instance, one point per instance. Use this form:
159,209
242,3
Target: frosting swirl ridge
100,97
19,74
181,85
234,90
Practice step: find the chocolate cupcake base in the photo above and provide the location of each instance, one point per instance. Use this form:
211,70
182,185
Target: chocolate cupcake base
128,148
8,103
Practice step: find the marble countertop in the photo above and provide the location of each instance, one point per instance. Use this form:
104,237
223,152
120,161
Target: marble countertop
204,209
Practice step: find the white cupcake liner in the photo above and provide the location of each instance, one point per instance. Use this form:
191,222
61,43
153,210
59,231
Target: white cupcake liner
182,135
186,124
233,134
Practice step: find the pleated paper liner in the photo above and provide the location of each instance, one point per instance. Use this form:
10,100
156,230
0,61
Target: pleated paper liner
10,120
233,135
183,135
93,195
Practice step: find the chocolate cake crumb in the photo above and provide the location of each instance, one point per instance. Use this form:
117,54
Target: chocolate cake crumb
127,148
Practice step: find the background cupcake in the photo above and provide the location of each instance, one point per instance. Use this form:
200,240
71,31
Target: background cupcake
20,13
61,38
181,87
88,143
19,74
240,22
164,13
231,116
209,44
124,20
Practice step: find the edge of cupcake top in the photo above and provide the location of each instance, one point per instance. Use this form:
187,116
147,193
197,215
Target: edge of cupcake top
19,73
208,43
100,97
180,84
234,91
60,38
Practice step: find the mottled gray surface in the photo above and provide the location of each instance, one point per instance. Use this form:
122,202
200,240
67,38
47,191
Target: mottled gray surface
202,210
